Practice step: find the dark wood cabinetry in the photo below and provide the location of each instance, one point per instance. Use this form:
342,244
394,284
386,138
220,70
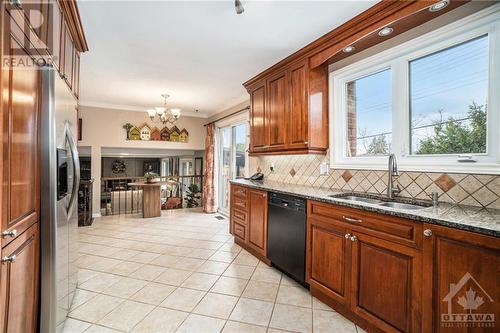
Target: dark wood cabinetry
360,268
248,219
289,111
19,283
460,267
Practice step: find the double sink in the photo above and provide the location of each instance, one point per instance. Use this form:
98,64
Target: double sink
381,202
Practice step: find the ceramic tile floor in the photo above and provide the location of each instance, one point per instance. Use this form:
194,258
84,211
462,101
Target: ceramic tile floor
182,272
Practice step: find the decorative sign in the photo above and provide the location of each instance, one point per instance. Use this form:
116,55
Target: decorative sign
118,166
148,133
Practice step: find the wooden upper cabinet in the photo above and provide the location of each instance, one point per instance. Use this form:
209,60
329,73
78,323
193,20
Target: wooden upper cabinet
20,174
278,106
76,74
259,133
296,115
385,283
55,34
297,123
461,276
68,57
257,221
19,283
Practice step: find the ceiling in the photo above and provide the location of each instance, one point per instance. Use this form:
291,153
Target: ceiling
199,52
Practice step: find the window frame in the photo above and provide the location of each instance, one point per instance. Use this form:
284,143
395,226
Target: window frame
398,58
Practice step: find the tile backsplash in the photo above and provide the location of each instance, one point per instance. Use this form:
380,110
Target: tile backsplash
467,189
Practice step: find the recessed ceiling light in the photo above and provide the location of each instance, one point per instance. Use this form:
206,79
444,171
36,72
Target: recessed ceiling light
348,49
439,5
385,31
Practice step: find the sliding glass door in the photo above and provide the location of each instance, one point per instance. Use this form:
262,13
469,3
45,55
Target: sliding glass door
232,159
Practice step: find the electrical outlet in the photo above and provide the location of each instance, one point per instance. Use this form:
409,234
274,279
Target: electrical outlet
272,167
323,169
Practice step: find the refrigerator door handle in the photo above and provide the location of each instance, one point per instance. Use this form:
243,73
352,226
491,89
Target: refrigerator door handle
76,167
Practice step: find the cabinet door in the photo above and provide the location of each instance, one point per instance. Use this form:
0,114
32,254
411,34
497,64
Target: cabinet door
328,259
19,283
297,124
277,106
257,222
259,132
461,281
20,175
55,43
385,283
68,57
76,75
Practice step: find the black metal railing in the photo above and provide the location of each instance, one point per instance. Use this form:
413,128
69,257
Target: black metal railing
118,197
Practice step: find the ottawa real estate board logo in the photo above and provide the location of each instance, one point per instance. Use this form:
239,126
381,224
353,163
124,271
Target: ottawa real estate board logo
468,303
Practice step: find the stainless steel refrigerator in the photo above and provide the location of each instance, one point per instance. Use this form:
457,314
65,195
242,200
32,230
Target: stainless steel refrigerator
60,176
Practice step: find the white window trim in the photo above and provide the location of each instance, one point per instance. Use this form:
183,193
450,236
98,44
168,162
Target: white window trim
397,58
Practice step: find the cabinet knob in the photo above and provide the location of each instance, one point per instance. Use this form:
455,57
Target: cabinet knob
347,236
427,232
354,238
12,233
9,259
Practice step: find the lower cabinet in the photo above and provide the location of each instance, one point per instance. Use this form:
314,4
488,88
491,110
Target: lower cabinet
461,281
361,274
385,283
248,219
19,283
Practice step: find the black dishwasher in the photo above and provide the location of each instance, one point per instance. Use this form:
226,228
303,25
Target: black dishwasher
286,234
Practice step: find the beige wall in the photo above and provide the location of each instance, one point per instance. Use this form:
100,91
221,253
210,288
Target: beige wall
103,128
228,111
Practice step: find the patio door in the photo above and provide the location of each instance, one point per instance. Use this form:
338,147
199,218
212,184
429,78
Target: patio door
232,159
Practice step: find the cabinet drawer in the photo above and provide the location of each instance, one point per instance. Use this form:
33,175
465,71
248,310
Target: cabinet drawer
403,231
239,215
239,191
239,231
239,203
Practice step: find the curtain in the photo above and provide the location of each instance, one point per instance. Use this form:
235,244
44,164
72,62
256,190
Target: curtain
208,178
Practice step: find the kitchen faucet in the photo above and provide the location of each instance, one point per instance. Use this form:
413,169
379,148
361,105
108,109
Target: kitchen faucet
392,172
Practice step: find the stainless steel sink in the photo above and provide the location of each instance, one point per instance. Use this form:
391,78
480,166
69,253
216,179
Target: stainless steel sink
379,202
357,198
400,205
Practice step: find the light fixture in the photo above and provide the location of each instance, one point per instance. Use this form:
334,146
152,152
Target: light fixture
348,49
163,116
385,31
238,6
439,5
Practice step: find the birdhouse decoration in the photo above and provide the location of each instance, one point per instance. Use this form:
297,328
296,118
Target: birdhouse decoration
146,132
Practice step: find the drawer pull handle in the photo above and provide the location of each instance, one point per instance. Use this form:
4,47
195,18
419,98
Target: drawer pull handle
427,232
350,219
12,233
347,236
354,238
9,259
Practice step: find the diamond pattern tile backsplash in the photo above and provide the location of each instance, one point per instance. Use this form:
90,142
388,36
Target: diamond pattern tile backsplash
466,189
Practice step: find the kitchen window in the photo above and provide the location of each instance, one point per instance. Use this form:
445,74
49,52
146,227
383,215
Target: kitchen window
432,101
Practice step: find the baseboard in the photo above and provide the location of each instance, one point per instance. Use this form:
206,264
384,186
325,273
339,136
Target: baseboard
94,215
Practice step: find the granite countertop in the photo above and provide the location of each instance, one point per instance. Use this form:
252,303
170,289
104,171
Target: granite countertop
470,218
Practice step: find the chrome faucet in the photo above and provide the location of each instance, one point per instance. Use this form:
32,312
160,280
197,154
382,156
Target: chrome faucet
392,172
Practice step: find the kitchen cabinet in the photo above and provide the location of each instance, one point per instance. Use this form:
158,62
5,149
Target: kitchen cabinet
461,276
67,56
248,219
19,283
362,267
20,168
257,221
288,111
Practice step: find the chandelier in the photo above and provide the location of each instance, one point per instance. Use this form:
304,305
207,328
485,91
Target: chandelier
161,115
